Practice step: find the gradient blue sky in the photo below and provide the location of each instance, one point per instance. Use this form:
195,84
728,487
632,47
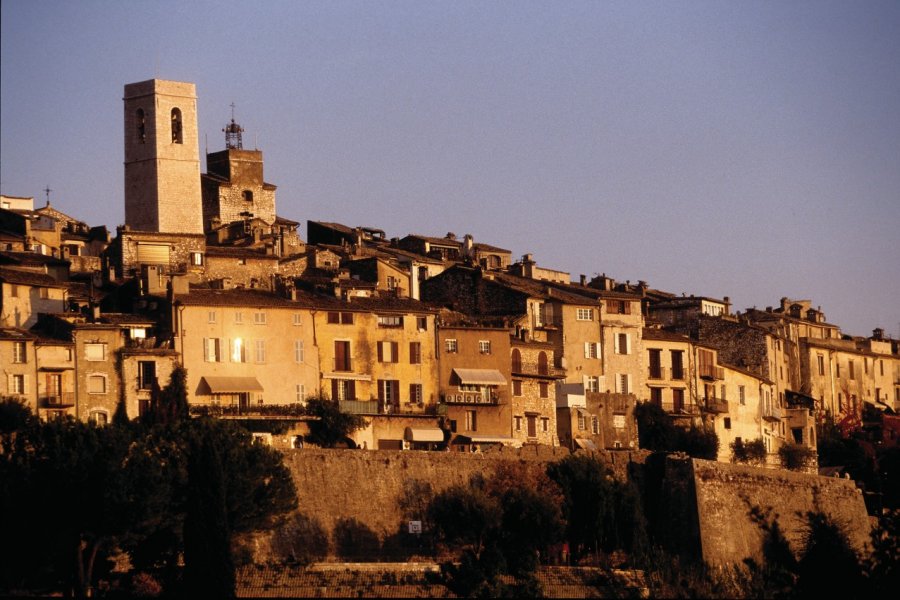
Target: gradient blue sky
747,149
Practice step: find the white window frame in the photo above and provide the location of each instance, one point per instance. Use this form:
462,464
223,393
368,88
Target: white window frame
259,318
299,351
592,350
212,350
591,383
237,350
484,346
238,317
584,314
298,319
20,352
260,351
211,316
300,390
618,343
451,346
18,384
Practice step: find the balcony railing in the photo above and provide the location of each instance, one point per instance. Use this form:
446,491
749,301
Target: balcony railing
712,372
256,410
658,373
533,370
772,413
717,405
360,407
460,397
58,400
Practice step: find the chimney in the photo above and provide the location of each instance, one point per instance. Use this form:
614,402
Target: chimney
727,305
583,280
450,236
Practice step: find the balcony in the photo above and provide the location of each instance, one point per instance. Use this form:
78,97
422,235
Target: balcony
360,407
460,397
658,373
716,405
678,374
533,370
57,400
772,413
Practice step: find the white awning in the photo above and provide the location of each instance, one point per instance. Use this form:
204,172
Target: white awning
347,376
480,376
424,434
486,439
232,385
585,444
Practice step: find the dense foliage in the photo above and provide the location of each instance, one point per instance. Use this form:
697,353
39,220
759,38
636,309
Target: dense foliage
75,495
752,452
657,432
332,426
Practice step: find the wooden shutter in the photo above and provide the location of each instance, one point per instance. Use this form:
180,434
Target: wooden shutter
395,352
380,352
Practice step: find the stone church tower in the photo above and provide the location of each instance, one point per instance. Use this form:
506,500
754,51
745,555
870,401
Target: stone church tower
162,164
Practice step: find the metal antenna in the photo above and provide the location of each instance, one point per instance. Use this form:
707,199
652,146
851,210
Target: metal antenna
47,191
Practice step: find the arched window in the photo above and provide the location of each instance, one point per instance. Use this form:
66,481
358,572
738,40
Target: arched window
247,195
542,364
141,123
516,361
176,126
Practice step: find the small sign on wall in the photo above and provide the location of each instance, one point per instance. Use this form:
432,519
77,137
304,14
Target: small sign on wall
415,527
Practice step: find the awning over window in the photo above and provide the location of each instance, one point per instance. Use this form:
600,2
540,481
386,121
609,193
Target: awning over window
585,444
584,413
424,434
347,376
232,385
480,376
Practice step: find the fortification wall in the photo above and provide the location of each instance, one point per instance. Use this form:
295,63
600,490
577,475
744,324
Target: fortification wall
726,494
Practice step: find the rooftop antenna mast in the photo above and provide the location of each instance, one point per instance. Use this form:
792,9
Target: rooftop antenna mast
233,131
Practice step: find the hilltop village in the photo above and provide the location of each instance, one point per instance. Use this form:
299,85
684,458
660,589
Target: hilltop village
442,342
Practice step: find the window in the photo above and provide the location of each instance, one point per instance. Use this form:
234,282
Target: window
342,356
96,384
340,318
821,360
517,387
177,137
619,307
678,399
545,424
584,314
259,318
623,381
98,417
451,346
300,390
298,319
471,420
742,397
531,423
543,367
655,357
260,351
298,351
388,352
484,346
595,425
415,353
544,389
247,195
516,361
14,291
212,351
591,350
390,321
518,422
623,343
146,374
19,355
343,389
677,364
415,393
727,422
881,366
211,316
656,396
388,392
722,392
197,259
95,352
837,368
592,383
392,282
140,122
422,323
44,293
582,425
851,367
17,384
238,351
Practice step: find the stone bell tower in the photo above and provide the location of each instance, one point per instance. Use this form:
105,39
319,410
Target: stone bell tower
162,162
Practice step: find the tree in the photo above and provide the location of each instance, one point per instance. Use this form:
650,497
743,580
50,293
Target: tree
829,567
332,425
752,452
169,405
796,457
208,564
657,432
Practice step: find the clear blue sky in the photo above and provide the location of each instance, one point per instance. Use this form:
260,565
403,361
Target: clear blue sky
748,149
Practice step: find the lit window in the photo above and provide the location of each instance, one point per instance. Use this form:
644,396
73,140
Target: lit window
484,346
451,346
196,259
238,351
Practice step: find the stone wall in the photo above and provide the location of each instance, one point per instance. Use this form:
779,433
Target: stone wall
725,494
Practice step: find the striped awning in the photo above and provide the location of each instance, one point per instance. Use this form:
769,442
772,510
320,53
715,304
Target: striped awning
480,376
232,385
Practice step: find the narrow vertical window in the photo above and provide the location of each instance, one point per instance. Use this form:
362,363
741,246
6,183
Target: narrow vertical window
141,123
177,137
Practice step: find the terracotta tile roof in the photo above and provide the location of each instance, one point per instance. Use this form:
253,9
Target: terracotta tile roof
30,258
14,333
29,278
239,252
262,299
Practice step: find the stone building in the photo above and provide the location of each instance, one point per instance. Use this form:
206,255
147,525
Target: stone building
534,379
474,380
26,294
17,370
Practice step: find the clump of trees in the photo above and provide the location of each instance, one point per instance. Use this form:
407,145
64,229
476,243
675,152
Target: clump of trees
796,457
166,490
332,426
